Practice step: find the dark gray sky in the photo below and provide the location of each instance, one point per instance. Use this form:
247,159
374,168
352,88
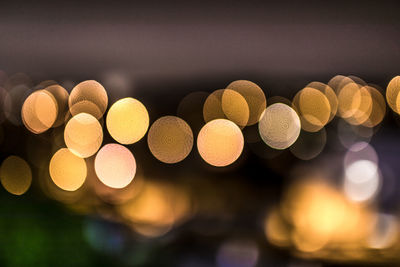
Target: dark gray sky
187,40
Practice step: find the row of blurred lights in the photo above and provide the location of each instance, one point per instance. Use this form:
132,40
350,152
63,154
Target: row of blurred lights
315,217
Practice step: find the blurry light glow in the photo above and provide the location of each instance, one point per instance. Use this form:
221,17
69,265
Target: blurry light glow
362,180
378,109
39,111
360,151
61,96
83,135
279,126
67,170
235,107
15,175
351,134
220,142
238,253
88,97
330,95
170,139
226,104
254,97
156,209
385,233
127,120
313,107
115,166
392,94
276,229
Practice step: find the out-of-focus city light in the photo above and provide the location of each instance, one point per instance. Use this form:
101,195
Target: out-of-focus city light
170,139
313,108
127,120
67,170
39,111
156,209
88,97
226,104
220,142
115,166
362,180
15,175
61,96
279,126
83,135
392,94
385,232
254,97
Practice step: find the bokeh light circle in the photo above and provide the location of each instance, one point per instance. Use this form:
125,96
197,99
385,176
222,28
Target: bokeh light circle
226,104
220,142
115,165
61,96
170,139
88,97
279,126
83,135
39,111
15,175
313,107
127,120
254,97
67,170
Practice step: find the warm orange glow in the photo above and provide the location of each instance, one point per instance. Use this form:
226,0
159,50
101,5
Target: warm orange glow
220,142
15,175
254,97
67,170
115,166
392,93
156,209
313,107
127,120
170,139
83,135
39,111
61,96
226,104
88,97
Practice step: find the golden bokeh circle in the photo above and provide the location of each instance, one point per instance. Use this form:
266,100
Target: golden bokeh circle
330,95
83,135
313,107
39,111
392,93
115,166
254,97
67,170
61,96
226,104
15,175
88,97
170,139
378,108
220,142
127,120
279,126
235,107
